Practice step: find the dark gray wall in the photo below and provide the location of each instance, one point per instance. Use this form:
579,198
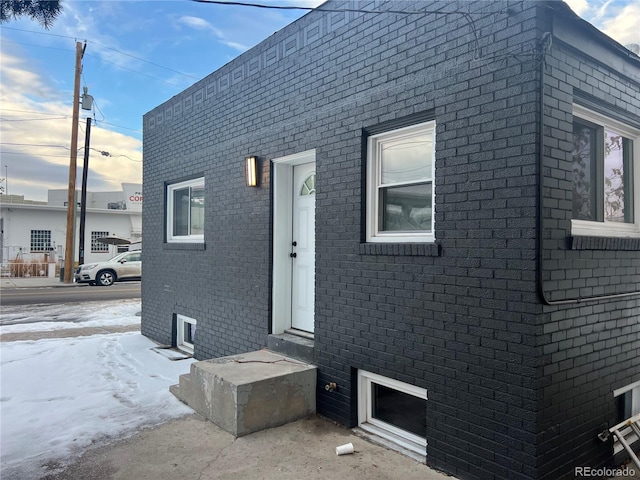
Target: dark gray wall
462,320
591,348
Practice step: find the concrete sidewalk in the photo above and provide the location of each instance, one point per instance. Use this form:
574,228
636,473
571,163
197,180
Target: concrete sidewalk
33,282
194,448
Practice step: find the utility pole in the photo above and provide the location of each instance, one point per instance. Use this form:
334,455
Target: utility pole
83,198
73,157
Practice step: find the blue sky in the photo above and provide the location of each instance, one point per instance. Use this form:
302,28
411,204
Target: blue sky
138,55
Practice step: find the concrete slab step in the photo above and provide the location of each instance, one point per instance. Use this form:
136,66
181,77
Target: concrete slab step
294,346
249,392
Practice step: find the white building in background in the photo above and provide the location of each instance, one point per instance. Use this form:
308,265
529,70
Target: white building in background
35,232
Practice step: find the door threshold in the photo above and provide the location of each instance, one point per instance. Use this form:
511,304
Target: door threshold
299,333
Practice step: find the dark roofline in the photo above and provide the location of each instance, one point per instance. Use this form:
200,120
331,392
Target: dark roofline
562,10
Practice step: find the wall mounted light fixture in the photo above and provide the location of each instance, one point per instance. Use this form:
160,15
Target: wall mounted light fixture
251,171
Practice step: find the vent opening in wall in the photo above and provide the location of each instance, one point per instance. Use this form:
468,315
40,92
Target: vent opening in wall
185,333
393,413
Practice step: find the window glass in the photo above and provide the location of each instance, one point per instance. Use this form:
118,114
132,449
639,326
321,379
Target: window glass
40,240
309,185
399,409
605,184
616,179
405,209
181,212
134,257
99,246
197,210
406,160
188,332
584,164
185,211
400,185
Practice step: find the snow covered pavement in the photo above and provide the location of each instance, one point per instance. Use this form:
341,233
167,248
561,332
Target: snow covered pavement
60,395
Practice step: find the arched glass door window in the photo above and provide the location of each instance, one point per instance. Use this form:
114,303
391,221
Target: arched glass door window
308,186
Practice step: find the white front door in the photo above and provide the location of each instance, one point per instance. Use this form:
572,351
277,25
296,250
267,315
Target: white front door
303,243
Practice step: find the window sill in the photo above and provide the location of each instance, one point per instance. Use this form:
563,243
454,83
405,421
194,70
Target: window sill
183,246
604,243
401,249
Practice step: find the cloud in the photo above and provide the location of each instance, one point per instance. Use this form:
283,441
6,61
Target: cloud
201,24
578,6
625,26
619,19
195,22
36,137
601,12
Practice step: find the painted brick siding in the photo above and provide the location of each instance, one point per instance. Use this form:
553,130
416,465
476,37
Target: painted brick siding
591,348
462,320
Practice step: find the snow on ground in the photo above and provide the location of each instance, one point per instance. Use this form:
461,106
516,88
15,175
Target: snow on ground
59,396
40,318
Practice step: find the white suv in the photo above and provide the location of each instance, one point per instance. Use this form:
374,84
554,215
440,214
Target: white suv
126,266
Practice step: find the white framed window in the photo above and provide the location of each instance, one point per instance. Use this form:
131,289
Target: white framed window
401,185
99,246
40,241
394,411
627,405
185,211
185,333
605,176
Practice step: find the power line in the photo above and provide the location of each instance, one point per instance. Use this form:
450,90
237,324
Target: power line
100,59
27,111
120,126
4,119
142,59
465,15
98,44
331,10
33,154
103,152
33,145
34,45
137,130
52,114
132,70
39,33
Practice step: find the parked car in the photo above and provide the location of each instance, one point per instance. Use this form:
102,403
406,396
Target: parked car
126,266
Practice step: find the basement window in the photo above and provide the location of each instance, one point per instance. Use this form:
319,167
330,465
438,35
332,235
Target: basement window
185,333
393,411
627,405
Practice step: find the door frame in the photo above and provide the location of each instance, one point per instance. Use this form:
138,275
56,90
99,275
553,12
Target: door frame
282,175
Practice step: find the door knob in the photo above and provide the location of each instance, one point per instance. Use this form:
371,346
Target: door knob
294,243
293,255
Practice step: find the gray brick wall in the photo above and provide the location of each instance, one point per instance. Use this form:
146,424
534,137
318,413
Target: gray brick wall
590,348
463,319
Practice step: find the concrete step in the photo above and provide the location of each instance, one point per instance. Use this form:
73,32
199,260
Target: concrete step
294,346
249,392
